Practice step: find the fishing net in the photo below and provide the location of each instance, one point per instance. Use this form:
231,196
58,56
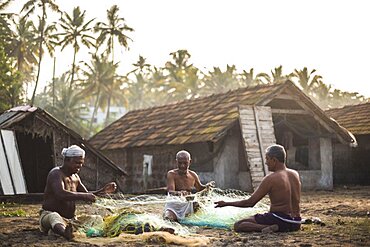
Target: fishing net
142,217
209,216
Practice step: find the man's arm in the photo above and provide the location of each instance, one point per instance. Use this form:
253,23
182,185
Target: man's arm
171,182
107,189
262,190
198,185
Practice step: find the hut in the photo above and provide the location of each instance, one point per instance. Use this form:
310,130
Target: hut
227,135
30,146
351,164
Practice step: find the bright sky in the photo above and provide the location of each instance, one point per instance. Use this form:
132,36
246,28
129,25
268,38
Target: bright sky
331,36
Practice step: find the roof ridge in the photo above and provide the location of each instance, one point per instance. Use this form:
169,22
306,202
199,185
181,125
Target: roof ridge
208,96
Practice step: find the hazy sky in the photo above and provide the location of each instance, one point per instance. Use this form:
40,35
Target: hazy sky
331,36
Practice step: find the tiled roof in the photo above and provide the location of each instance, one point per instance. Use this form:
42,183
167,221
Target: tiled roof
188,121
355,118
197,120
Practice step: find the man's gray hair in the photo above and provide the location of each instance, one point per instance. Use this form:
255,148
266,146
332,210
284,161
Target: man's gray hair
183,153
276,151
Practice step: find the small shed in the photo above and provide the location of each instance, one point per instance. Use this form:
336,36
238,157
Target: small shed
352,164
227,135
31,145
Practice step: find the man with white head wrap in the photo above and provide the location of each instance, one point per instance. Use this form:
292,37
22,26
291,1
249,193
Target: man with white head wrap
73,151
63,189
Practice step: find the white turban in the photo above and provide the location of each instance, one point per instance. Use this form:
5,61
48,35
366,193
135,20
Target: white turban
73,151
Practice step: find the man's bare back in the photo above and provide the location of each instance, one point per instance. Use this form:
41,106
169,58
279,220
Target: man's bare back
284,192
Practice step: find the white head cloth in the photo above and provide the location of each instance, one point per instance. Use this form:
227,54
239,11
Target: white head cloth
73,151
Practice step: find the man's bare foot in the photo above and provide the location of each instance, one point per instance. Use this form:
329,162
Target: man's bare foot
269,229
68,232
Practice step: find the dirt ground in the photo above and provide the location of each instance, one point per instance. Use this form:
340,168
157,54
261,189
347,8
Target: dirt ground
344,214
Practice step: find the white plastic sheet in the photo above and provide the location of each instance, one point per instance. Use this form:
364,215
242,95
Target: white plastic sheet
10,161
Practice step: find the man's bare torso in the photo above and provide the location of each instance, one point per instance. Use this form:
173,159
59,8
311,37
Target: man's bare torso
183,181
51,201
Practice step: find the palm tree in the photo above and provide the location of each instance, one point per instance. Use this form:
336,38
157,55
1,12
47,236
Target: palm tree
217,81
5,30
182,78
10,84
23,46
30,7
307,80
249,79
68,108
99,75
277,76
140,89
75,31
115,28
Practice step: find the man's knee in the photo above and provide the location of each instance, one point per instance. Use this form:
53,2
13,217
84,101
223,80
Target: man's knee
238,225
169,215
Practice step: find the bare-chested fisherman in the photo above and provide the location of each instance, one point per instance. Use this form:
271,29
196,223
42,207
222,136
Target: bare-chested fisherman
63,189
284,189
181,182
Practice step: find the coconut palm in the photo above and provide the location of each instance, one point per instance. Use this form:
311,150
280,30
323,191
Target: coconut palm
23,46
307,80
218,81
68,107
99,75
5,31
249,79
115,28
141,90
29,7
11,89
182,78
277,76
75,32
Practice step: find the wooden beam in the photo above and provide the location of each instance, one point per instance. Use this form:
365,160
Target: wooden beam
289,111
262,152
286,96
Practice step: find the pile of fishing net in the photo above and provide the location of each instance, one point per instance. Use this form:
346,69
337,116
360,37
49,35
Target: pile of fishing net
137,217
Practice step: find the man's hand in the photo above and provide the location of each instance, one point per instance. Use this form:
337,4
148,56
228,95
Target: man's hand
109,188
90,197
220,204
211,184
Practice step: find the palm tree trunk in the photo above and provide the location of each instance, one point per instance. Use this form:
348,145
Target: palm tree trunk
40,54
73,69
95,110
108,108
110,93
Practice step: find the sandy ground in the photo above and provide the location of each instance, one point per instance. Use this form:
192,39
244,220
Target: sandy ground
344,214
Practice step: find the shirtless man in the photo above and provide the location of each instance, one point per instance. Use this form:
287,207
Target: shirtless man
284,189
181,182
63,189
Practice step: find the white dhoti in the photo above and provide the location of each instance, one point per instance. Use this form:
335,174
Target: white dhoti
180,208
